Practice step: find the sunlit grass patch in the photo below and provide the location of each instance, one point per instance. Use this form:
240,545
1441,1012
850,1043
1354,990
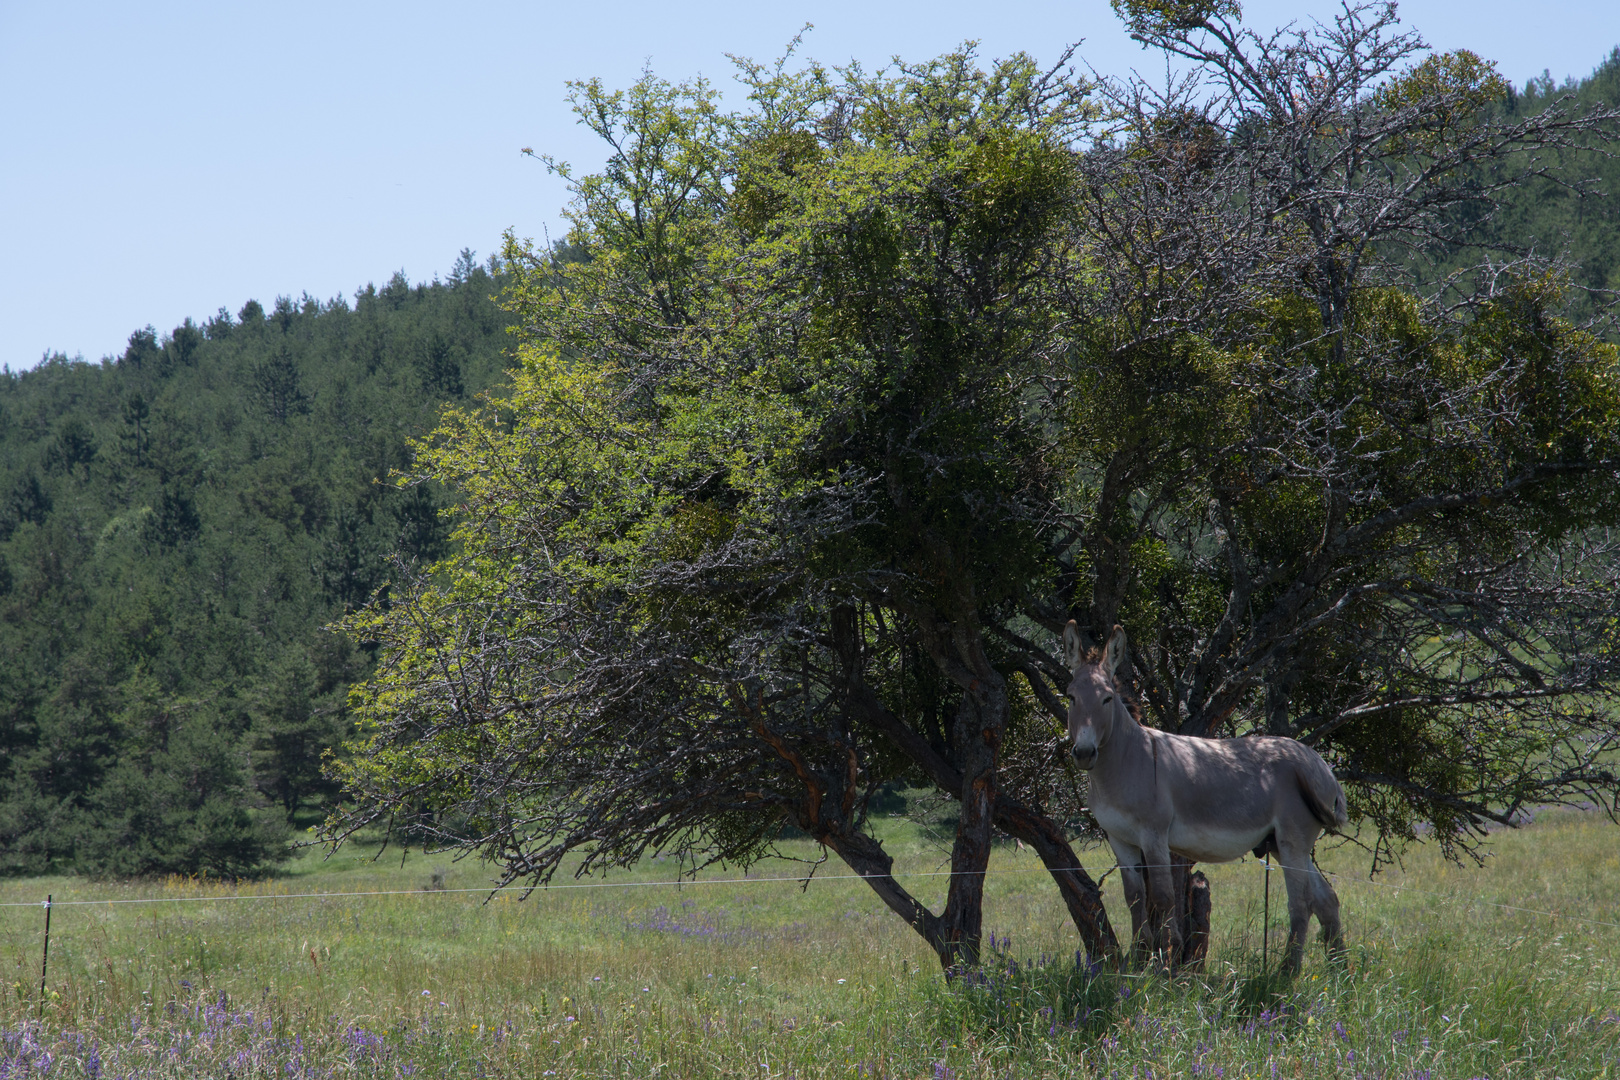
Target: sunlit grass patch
763,978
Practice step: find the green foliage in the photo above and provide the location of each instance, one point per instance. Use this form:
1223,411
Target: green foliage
1145,18
1572,217
843,403
178,800
788,364
176,526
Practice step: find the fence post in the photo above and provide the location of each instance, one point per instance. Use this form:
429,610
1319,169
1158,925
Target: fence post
1265,919
45,957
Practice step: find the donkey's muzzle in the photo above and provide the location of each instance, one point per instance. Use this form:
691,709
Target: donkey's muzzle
1085,757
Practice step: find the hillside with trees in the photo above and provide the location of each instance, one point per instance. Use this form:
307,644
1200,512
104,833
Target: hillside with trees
1563,206
177,524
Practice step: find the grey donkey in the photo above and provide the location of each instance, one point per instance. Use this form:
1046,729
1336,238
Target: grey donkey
1208,800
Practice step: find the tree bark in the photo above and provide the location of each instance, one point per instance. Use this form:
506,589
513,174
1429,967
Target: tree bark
865,855
1080,894
979,794
980,719
1192,912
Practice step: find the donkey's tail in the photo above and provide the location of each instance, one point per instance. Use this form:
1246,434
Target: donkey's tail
1323,795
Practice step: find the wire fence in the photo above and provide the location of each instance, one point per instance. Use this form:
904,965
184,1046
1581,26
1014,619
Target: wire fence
492,890
1259,867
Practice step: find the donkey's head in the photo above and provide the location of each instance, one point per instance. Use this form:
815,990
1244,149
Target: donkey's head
1096,704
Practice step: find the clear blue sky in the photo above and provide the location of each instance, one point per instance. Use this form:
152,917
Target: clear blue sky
165,159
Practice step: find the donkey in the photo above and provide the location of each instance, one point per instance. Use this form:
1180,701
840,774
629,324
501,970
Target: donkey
1208,800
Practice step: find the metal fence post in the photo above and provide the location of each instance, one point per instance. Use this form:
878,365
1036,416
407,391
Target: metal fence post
45,957
1265,919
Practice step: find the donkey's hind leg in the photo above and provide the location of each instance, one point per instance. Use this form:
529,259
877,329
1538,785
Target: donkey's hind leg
1325,906
1301,876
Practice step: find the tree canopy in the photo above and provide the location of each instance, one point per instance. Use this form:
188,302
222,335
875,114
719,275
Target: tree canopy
855,395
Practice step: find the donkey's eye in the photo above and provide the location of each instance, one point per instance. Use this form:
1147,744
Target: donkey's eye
1107,699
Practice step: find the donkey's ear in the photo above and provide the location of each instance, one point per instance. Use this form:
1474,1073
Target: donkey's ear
1073,645
1114,651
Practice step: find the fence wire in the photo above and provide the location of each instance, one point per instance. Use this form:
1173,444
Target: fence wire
1258,866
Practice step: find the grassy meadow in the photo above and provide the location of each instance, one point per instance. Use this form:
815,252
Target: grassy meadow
766,979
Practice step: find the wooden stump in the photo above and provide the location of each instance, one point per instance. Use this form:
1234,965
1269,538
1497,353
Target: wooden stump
1192,911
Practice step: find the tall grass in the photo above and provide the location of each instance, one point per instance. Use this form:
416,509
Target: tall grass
767,978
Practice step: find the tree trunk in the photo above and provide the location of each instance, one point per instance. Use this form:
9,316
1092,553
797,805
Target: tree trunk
1080,894
1192,912
865,855
980,719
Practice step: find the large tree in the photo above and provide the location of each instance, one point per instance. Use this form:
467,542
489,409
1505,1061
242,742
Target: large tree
844,403
1339,498
777,466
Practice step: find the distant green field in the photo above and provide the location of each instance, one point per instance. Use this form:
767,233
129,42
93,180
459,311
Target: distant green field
765,979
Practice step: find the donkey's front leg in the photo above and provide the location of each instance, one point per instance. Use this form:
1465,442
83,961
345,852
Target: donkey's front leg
1161,900
1129,860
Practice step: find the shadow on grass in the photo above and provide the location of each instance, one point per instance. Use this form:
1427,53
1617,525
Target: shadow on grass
1260,991
1034,998
1023,1000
